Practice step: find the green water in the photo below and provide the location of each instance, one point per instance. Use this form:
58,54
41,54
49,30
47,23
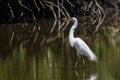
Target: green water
41,51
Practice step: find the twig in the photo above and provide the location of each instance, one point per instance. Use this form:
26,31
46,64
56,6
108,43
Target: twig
101,18
51,5
67,14
58,8
36,5
27,9
70,3
42,4
11,11
54,24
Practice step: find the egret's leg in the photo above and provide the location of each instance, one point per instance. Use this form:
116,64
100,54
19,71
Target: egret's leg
77,60
76,63
83,60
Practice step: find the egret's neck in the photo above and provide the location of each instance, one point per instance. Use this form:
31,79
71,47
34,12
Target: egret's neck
71,34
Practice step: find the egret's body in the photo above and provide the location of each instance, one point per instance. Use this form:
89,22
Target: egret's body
81,47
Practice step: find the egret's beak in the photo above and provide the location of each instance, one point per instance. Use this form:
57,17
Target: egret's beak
66,19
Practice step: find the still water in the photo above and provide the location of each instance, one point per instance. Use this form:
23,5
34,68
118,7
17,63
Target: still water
41,51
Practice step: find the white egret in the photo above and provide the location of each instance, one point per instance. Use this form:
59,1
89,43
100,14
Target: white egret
80,46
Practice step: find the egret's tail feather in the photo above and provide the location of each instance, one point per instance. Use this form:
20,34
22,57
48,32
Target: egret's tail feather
94,58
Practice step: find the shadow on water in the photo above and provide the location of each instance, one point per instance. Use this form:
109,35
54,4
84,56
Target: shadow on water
41,51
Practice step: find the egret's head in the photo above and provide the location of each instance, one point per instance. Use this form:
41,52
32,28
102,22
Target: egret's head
73,19
75,22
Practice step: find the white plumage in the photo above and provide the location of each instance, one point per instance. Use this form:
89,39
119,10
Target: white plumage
81,47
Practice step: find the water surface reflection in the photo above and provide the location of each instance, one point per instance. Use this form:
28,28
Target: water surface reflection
36,51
